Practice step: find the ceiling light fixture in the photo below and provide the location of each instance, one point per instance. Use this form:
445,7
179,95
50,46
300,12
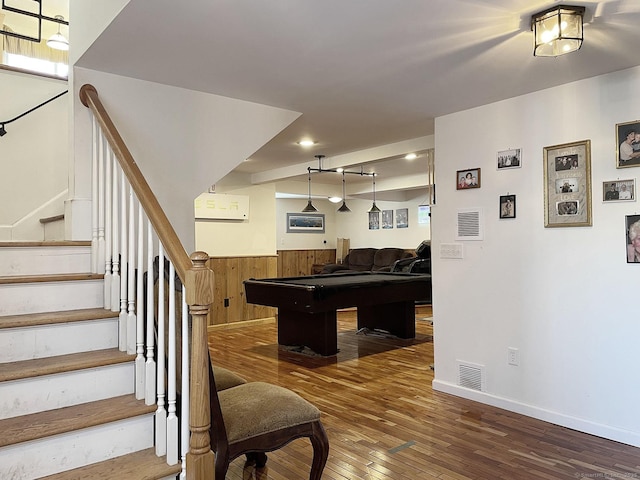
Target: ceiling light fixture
309,207
410,156
374,208
343,208
557,31
57,40
335,199
306,143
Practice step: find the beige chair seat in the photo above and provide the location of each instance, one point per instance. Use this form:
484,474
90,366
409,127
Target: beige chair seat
258,408
226,378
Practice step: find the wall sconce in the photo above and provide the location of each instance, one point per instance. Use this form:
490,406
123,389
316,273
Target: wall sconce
557,31
309,207
374,207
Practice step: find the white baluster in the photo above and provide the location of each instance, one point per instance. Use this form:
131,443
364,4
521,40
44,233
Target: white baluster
101,187
131,278
184,397
108,205
123,265
140,367
95,268
115,240
150,365
172,419
161,414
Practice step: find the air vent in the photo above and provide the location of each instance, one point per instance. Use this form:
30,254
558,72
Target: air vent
470,224
471,376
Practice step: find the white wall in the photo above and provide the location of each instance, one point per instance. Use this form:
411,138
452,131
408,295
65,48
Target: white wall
177,137
355,226
305,241
34,172
565,297
255,236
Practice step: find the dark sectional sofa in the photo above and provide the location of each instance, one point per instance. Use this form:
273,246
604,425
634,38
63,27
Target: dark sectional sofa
368,259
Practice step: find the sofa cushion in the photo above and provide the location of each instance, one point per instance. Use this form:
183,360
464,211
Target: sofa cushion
360,259
384,258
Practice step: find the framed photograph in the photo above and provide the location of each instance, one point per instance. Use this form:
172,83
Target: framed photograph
424,214
633,238
374,220
509,159
619,190
628,144
387,219
402,218
468,179
567,185
305,222
507,206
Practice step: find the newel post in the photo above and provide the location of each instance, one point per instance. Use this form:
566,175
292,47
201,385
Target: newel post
199,296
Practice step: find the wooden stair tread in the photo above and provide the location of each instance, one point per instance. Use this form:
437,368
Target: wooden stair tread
62,363
58,277
67,419
50,318
50,243
142,465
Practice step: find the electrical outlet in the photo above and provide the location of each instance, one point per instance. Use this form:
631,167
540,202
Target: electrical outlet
513,357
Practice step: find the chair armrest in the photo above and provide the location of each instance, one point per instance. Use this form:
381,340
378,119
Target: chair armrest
334,267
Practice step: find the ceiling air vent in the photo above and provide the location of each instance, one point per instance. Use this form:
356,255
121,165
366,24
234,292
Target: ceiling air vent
470,224
471,376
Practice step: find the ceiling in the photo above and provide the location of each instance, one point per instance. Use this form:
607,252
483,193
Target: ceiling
362,73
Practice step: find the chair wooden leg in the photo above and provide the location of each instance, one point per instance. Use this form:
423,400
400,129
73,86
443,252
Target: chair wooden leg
320,444
221,464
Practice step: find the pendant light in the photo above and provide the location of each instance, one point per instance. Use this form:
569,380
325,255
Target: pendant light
57,40
374,207
343,208
309,207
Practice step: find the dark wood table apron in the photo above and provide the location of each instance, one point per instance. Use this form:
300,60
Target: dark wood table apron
307,306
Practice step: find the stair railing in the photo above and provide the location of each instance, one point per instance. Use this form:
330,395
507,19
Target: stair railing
123,203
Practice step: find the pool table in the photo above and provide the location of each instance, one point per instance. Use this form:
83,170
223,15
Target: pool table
307,306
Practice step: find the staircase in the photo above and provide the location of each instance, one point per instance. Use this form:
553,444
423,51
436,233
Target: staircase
67,404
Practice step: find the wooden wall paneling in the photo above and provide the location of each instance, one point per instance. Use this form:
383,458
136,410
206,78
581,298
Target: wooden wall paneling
229,275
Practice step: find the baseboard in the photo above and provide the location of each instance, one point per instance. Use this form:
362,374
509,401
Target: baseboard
243,323
605,431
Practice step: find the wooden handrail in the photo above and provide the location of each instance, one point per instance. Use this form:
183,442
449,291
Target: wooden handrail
198,282
173,247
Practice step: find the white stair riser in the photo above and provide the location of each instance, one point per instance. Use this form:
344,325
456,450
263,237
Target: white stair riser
48,392
58,453
39,297
44,260
57,339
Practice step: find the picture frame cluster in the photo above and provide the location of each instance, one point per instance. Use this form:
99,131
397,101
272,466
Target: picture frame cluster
567,183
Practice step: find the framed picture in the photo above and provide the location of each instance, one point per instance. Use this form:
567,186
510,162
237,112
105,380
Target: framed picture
567,185
633,238
507,206
628,144
468,179
387,219
402,218
424,214
619,190
305,222
509,159
374,220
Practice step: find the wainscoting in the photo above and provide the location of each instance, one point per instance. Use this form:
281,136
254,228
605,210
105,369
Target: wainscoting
229,304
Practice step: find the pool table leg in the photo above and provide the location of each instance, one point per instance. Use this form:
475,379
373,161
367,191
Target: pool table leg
318,331
398,318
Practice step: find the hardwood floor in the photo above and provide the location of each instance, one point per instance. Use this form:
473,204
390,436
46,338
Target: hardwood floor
385,422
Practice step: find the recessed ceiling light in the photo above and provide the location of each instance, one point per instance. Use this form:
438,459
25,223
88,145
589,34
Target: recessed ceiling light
410,156
306,143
